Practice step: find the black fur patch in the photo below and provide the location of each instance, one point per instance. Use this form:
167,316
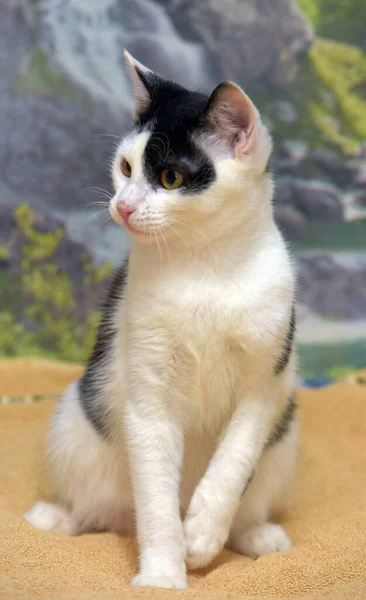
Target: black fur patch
174,114
287,347
269,166
91,384
283,424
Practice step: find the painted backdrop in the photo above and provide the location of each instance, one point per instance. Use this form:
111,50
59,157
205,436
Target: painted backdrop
64,95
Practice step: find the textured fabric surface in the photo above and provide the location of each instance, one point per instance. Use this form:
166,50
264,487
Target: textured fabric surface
327,522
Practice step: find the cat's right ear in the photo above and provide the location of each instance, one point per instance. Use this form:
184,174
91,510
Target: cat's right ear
139,75
232,115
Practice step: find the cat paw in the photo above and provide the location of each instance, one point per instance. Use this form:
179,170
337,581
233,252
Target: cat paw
177,581
204,535
263,539
51,517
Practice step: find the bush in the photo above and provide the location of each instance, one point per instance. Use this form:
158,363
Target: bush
50,326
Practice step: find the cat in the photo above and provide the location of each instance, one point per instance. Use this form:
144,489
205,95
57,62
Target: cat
184,421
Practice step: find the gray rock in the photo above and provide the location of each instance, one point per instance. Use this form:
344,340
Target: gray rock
354,204
295,150
291,222
330,165
104,240
195,43
245,39
357,171
48,148
360,198
317,200
17,18
331,288
86,42
287,166
48,151
284,111
63,82
284,189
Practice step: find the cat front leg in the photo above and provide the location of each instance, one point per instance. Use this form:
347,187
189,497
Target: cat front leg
155,442
217,497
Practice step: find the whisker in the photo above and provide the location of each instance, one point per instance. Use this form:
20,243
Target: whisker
96,203
94,188
106,134
103,135
177,232
166,243
161,256
193,228
106,221
94,215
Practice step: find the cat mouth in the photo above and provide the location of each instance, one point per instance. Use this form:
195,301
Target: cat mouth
133,231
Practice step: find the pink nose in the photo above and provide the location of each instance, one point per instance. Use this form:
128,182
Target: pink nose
125,212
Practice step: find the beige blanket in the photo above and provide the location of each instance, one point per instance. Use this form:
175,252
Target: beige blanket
327,522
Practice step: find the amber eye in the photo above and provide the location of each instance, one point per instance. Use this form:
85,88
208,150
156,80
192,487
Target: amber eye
126,168
171,179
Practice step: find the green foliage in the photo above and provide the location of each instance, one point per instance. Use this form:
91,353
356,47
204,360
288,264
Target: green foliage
311,10
342,20
348,236
4,252
53,329
332,358
342,68
326,94
340,373
13,337
328,90
40,78
41,245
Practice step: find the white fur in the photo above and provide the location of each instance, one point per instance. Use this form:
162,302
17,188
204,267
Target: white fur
191,392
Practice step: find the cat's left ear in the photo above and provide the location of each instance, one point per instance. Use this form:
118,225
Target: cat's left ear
233,116
139,75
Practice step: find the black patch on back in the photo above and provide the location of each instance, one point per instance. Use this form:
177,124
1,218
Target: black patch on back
91,384
283,424
269,170
287,346
174,114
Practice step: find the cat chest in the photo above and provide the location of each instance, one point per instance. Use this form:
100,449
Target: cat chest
205,378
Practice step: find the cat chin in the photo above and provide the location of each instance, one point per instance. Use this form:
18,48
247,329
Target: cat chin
141,236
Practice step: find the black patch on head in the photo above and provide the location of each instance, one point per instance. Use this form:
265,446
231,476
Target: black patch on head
283,424
287,346
92,383
173,116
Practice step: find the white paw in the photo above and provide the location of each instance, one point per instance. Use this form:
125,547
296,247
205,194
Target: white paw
178,581
205,535
51,517
263,539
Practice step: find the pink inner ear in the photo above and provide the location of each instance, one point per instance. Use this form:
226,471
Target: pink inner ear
233,116
141,93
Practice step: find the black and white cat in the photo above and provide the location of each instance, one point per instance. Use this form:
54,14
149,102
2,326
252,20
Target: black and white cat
184,420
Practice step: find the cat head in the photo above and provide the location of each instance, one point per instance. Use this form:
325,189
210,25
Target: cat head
193,166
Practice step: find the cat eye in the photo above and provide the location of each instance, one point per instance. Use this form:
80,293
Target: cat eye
126,168
171,179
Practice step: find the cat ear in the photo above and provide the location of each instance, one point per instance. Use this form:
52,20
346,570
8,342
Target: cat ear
139,77
233,116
